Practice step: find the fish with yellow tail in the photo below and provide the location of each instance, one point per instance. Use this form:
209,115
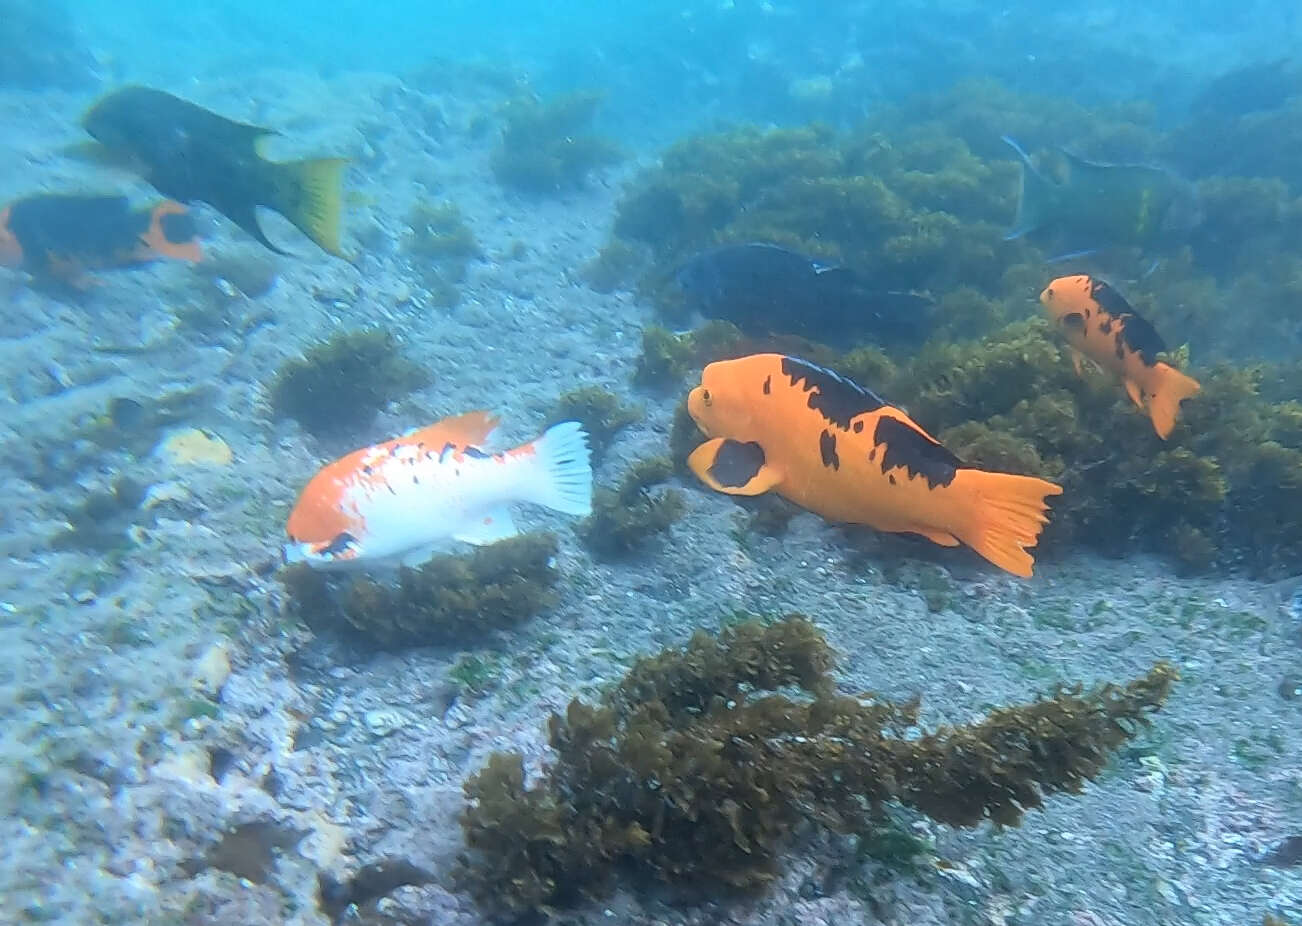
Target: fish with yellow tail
782,424
1100,325
399,502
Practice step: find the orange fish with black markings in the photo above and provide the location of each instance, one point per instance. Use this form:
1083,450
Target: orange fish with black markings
399,501
782,424
1099,324
67,236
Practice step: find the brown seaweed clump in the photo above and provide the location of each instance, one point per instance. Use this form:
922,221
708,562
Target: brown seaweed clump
600,412
624,518
548,147
341,383
696,769
452,598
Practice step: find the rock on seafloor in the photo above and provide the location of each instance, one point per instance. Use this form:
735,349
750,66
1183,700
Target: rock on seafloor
177,749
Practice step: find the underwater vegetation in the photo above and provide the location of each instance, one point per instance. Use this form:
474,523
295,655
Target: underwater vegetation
624,518
548,147
452,598
599,410
699,765
920,197
443,243
340,384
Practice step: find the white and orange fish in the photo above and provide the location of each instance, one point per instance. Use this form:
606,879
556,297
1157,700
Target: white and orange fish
401,501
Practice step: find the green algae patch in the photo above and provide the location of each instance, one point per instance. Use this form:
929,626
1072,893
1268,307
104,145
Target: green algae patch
454,598
549,147
601,413
698,768
340,384
626,517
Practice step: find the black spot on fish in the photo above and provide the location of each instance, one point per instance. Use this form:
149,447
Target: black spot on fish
736,463
836,398
476,454
1073,321
447,448
915,452
858,427
339,545
1105,326
1142,338
178,228
891,478
768,385
1136,332
367,470
872,455
827,449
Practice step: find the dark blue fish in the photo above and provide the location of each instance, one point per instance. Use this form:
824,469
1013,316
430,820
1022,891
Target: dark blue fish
1098,206
766,289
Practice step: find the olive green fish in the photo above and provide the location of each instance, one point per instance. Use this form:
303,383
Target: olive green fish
191,154
1104,205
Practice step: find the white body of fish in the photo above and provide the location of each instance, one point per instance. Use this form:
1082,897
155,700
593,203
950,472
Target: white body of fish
411,500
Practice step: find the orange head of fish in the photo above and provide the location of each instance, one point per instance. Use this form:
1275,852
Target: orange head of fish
725,404
1069,295
320,529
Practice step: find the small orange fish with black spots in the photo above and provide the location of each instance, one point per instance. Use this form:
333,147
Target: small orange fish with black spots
782,424
1099,324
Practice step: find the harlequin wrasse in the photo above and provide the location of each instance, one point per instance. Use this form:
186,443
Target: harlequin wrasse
778,423
398,502
1097,323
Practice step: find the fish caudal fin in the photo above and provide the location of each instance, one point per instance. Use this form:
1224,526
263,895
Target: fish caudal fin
1164,405
563,476
1033,200
1006,516
172,232
311,195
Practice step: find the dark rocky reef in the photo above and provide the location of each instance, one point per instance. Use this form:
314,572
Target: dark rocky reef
698,767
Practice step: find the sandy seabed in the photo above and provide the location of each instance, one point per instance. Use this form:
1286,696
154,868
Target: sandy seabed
176,749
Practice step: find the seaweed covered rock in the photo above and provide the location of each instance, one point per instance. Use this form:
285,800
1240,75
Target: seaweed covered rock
624,518
340,384
698,767
599,410
452,598
549,147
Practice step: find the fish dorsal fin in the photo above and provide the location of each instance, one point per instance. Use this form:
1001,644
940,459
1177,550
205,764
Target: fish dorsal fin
909,447
468,430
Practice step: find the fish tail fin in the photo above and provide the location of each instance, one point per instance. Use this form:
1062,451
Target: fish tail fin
1164,404
1006,516
563,470
1034,197
172,233
311,195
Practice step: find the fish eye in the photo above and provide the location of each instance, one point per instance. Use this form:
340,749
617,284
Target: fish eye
1049,292
705,396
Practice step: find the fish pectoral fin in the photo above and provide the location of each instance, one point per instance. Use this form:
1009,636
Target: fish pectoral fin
1136,396
419,556
490,527
245,215
943,538
733,467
